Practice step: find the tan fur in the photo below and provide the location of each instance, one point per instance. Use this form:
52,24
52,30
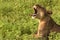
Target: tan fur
46,23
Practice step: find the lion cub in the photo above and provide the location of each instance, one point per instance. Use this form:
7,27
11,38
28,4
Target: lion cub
46,23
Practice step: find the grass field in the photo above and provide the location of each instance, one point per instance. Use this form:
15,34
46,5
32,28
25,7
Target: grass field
16,22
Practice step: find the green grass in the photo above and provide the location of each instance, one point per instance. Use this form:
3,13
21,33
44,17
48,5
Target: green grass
16,22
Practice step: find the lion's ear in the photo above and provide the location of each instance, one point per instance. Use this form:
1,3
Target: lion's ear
49,12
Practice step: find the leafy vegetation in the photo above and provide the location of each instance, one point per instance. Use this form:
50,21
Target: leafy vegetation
16,22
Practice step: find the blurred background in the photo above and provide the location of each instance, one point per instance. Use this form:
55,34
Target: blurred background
16,22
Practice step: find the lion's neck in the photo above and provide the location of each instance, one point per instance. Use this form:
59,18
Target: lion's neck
48,21
45,19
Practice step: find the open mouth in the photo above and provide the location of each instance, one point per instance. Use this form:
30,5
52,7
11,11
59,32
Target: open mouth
35,11
35,8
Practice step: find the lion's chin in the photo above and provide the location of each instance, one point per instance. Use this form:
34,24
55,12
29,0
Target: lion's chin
33,17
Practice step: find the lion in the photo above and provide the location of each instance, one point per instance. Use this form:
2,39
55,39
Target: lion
46,23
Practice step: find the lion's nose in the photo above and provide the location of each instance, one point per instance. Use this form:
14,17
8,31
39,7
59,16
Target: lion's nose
34,7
